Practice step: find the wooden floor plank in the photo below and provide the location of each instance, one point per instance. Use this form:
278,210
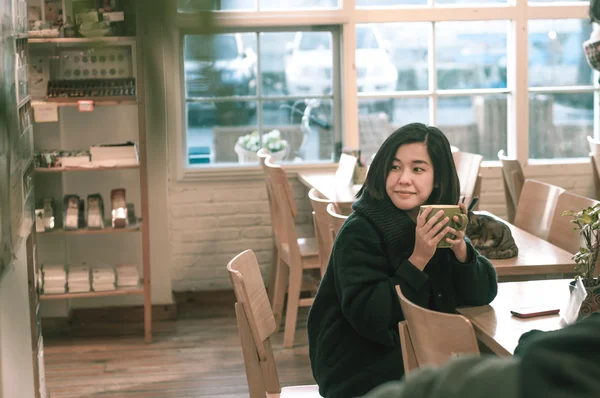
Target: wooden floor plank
196,356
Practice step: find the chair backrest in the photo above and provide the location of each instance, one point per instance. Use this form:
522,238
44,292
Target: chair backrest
256,323
537,204
513,180
437,336
594,146
323,230
467,166
409,358
561,230
284,209
335,218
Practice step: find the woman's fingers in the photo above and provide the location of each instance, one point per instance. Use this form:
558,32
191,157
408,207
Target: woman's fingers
422,217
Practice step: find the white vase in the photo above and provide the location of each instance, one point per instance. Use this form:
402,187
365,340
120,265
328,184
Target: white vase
246,156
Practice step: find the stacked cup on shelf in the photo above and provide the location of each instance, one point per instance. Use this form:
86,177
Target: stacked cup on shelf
79,279
127,275
54,279
103,278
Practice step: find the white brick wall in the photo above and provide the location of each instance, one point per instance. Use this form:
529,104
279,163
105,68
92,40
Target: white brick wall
211,222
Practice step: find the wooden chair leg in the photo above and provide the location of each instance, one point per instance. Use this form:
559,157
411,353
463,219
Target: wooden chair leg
273,273
281,279
291,312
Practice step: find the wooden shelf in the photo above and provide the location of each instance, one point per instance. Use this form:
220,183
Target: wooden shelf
120,291
84,231
96,168
81,40
98,101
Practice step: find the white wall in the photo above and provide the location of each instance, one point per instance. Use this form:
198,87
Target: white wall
16,355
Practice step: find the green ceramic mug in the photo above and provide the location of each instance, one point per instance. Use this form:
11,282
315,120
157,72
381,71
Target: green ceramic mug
449,211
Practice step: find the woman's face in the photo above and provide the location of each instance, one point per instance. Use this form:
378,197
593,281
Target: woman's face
410,182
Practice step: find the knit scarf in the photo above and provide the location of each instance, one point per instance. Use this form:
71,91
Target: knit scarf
395,225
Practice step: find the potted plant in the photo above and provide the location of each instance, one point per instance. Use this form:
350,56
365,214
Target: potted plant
588,224
247,146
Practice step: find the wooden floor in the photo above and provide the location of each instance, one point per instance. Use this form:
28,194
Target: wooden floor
197,355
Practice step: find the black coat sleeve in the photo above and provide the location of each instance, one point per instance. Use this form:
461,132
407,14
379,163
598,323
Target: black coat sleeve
475,281
366,290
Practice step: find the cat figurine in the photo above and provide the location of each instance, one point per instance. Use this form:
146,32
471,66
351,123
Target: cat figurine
491,237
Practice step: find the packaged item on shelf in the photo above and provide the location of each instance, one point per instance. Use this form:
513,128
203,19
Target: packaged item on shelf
71,205
127,275
39,220
119,208
54,278
78,279
94,88
95,211
131,218
115,154
48,214
103,278
77,158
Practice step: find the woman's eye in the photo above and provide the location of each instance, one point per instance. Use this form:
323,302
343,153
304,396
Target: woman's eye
394,167
418,170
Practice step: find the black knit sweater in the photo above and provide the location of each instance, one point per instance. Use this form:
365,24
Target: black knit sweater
353,322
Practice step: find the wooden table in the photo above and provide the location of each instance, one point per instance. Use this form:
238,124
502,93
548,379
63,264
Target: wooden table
537,257
324,182
499,330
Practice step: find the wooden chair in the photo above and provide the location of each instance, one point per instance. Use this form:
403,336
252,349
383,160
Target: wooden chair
561,230
323,231
256,323
536,208
595,160
513,180
409,357
295,254
335,218
467,166
263,154
435,336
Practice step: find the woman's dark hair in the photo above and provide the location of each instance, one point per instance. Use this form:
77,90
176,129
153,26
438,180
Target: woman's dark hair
446,187
594,11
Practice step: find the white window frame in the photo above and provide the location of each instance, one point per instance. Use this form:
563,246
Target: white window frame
517,13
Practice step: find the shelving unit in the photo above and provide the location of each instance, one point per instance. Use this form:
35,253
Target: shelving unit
67,180
81,168
120,291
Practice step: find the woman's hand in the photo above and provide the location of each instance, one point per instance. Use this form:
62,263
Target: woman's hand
427,235
459,246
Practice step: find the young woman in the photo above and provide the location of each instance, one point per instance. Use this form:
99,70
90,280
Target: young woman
353,323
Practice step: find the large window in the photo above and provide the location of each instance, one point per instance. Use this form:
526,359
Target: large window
252,90
492,74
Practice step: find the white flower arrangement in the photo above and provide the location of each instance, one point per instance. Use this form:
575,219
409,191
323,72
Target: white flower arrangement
271,141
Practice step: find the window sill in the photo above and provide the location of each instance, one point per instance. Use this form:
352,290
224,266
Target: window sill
215,174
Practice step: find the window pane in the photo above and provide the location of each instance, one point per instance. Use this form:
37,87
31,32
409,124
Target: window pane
214,127
559,124
470,2
222,65
475,124
290,4
274,48
398,3
558,1
313,142
375,122
556,55
392,57
471,54
203,5
309,64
